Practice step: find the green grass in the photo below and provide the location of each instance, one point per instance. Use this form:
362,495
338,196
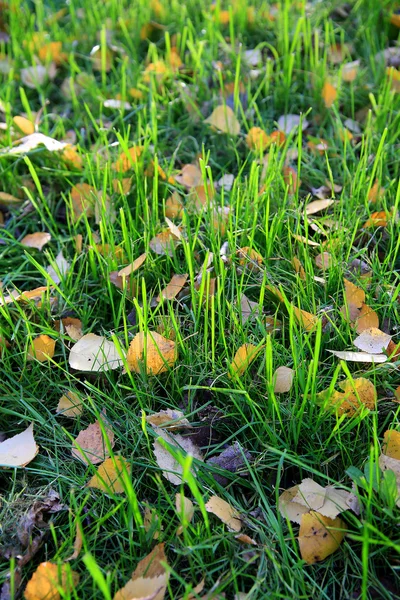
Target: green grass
290,436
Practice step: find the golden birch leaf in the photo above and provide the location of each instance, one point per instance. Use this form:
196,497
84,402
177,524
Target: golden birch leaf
243,357
41,349
36,240
319,536
158,353
225,512
48,577
19,450
391,444
109,475
70,405
223,119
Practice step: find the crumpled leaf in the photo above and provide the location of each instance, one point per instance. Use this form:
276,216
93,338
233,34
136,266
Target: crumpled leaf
242,359
90,446
372,340
172,469
35,518
359,356
319,536
169,419
58,268
70,405
94,353
356,393
72,327
158,353
149,580
41,349
109,475
283,378
46,580
232,459
19,450
223,119
36,240
225,512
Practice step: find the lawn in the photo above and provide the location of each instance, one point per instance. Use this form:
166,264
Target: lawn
199,300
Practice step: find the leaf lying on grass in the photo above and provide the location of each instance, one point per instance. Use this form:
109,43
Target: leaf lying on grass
94,353
357,393
243,358
359,356
137,263
169,419
70,405
319,536
47,579
19,450
42,348
223,119
173,288
283,380
171,467
185,509
149,580
158,353
32,141
90,445
109,475
225,512
372,340
36,240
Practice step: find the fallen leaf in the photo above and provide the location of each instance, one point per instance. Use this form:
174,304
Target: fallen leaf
366,319
298,267
19,450
232,459
42,348
225,512
257,139
387,463
190,176
359,356
24,124
70,405
169,419
90,446
78,543
171,468
37,75
319,536
173,288
242,359
151,521
350,71
376,192
83,198
94,353
72,327
353,294
109,475
317,206
356,393
391,444
31,142
158,353
248,309
58,268
174,206
305,319
127,160
37,516
290,122
304,240
248,257
324,260
36,240
149,580
310,494
283,380
223,119
164,243
47,579
137,263
329,94
9,199
185,509
290,509
291,179
372,340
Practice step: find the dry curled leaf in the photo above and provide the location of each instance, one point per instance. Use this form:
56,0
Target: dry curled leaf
94,353
172,468
157,353
242,359
223,119
36,240
283,380
225,512
248,309
164,243
317,206
41,349
90,446
109,477
359,356
171,420
319,536
47,579
19,450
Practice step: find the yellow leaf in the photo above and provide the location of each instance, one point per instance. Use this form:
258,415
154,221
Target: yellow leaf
46,580
257,139
41,349
353,294
169,419
174,206
137,263
127,160
391,446
157,352
24,124
298,267
173,288
356,394
90,446
109,475
36,240
185,510
317,206
319,536
190,176
223,119
249,257
350,71
366,319
149,580
70,405
225,512
329,94
243,357
9,199
19,450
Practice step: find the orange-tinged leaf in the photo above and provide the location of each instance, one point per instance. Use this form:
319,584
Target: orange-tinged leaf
304,240
298,267
356,393
19,450
257,139
329,94
174,206
90,446
353,294
243,357
366,319
41,349
173,288
52,51
169,419
291,179
35,294
137,263
249,257
36,240
47,579
164,243
71,156
24,124
225,512
397,394
377,219
83,197
124,184
391,444
109,475
319,536
393,352
223,119
305,319
376,192
200,196
127,160
158,353
350,71
70,405
190,176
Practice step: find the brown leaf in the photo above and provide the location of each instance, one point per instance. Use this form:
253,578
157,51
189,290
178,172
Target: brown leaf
225,512
248,309
83,198
324,260
36,240
173,288
90,446
298,267
42,348
72,327
319,536
127,160
78,542
158,353
248,257
109,475
149,580
137,263
46,580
